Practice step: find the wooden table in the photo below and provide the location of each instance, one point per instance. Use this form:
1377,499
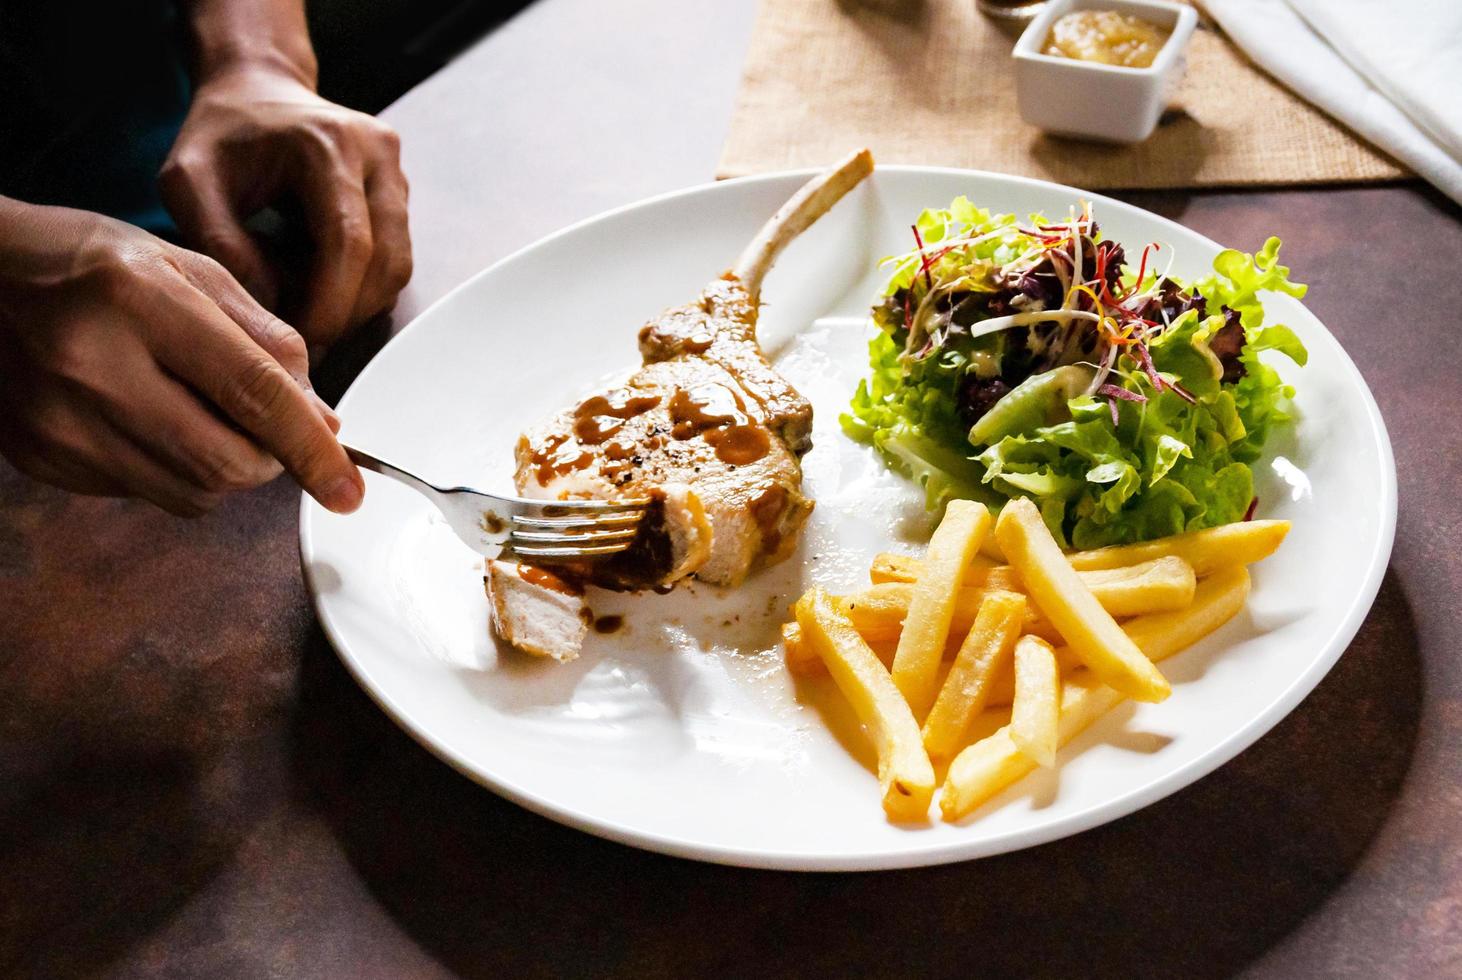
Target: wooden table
191,785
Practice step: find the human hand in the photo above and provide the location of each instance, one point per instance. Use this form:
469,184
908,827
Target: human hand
131,367
256,135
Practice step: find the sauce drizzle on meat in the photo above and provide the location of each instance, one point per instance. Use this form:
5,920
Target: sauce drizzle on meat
719,413
599,417
740,445
704,406
537,576
556,458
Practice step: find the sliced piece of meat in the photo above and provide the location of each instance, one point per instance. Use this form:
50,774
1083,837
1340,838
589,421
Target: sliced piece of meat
536,611
707,415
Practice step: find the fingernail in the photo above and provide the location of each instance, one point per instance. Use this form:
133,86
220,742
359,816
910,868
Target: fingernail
343,496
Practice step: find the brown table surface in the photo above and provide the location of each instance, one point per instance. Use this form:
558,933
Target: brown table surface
192,786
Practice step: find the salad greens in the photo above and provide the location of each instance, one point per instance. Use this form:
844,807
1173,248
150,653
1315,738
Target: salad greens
1032,359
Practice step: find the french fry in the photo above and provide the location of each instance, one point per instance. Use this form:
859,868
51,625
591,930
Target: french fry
926,627
1207,550
904,770
890,567
801,658
990,765
803,661
1002,689
878,612
1088,628
993,763
1156,586
985,650
990,550
1217,600
1036,712
1153,586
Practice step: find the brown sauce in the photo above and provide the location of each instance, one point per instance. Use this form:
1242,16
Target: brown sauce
622,403
608,624
620,457
537,576
593,429
678,334
619,449
599,417
556,458
704,406
719,413
739,444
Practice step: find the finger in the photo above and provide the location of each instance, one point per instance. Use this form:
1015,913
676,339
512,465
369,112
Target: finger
60,470
326,412
180,432
143,476
24,404
390,267
71,446
209,351
282,341
332,194
193,192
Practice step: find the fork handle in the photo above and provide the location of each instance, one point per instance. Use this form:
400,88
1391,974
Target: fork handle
375,464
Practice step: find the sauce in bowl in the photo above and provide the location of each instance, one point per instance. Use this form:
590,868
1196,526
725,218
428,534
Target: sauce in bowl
1106,37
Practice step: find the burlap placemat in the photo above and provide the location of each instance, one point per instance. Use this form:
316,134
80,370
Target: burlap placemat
931,81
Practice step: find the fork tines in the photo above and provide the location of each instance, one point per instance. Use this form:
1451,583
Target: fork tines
574,529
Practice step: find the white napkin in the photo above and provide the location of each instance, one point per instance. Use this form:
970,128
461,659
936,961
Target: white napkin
1390,71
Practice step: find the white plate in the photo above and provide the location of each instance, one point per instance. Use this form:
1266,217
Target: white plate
682,733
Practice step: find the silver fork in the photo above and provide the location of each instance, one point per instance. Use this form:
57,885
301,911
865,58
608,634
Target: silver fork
516,527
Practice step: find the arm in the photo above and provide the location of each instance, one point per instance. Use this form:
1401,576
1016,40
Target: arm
233,35
258,134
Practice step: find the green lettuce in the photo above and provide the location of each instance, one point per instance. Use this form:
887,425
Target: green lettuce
1170,463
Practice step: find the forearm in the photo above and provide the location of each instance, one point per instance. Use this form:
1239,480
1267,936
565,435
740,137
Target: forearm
230,35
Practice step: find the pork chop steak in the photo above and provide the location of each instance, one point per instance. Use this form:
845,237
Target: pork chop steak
707,429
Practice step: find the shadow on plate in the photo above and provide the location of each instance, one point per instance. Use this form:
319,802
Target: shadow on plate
1231,864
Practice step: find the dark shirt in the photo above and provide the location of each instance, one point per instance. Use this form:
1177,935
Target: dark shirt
92,93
